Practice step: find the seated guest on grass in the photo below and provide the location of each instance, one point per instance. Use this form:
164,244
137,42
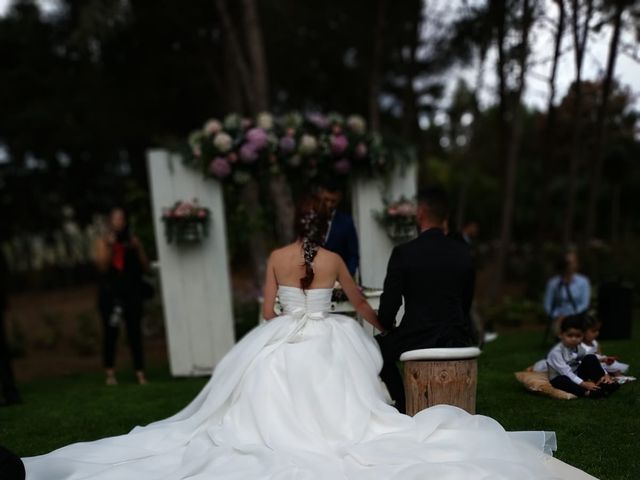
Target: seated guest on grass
568,292
571,369
590,343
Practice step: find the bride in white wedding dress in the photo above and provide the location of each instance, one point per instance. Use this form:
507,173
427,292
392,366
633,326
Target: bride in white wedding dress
298,398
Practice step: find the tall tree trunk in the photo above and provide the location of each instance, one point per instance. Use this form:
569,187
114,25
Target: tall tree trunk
464,188
500,12
283,202
279,189
615,213
244,73
550,127
513,148
375,78
257,57
596,177
233,96
409,120
257,239
580,37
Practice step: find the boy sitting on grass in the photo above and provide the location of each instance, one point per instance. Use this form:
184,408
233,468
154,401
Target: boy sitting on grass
611,365
570,367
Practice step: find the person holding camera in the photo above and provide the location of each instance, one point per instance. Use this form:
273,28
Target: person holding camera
567,293
121,262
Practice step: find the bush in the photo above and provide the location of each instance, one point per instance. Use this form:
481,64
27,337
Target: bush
515,312
51,332
86,341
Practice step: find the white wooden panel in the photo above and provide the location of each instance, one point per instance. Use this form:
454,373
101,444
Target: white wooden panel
375,244
194,278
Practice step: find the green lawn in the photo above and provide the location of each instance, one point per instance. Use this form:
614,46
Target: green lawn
599,436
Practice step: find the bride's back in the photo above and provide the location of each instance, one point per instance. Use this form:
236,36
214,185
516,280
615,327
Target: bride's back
288,266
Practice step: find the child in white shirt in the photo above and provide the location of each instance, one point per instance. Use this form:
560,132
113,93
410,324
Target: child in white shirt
571,369
591,346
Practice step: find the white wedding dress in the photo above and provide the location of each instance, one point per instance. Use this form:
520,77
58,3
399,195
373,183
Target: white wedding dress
299,398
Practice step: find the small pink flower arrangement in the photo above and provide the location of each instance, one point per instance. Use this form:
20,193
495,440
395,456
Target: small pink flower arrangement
186,221
399,219
186,209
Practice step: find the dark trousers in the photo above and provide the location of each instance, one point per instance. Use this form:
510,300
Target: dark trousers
132,318
7,381
11,467
390,374
589,369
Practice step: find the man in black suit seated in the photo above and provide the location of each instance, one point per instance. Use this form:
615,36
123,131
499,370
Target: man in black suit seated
434,275
341,234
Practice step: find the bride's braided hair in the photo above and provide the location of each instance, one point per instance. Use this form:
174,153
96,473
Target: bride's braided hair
311,224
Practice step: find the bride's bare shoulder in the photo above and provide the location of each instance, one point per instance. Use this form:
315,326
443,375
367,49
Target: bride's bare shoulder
281,252
328,255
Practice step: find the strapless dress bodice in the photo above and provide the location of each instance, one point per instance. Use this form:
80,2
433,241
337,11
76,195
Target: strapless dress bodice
295,300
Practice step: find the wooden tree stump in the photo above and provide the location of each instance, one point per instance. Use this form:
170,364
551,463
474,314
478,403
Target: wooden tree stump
433,382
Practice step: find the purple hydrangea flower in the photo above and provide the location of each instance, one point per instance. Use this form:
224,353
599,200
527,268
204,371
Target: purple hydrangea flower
258,138
287,144
339,144
220,167
342,166
248,153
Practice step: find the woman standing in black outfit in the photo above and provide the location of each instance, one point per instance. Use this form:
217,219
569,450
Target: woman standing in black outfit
121,261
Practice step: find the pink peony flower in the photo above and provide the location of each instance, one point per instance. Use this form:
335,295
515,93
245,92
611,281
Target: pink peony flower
342,166
197,151
202,213
406,209
248,153
287,144
257,137
361,150
318,120
220,167
339,144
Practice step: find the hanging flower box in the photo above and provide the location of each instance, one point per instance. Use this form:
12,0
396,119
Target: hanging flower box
185,222
399,220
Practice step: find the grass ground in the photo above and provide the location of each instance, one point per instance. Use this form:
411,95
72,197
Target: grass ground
599,436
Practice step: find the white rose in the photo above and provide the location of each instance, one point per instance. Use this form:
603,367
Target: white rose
222,142
308,144
357,124
212,126
265,121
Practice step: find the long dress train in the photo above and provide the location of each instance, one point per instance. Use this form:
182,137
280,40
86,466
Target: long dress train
299,398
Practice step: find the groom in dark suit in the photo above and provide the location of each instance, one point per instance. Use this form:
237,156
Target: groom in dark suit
434,275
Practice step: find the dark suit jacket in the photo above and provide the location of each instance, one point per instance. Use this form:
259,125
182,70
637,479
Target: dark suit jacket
435,276
343,240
